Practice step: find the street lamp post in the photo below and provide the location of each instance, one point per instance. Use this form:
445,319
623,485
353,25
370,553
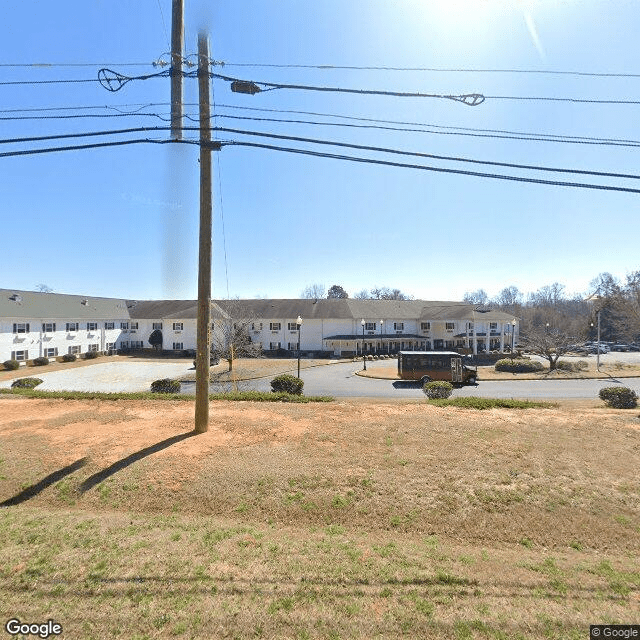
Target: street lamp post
381,342
364,359
513,336
299,323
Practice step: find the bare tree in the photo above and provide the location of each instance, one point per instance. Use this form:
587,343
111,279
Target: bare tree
626,303
314,291
383,293
362,295
44,288
336,291
509,298
548,342
476,297
231,334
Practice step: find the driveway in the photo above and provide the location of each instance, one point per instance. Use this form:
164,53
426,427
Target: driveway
108,376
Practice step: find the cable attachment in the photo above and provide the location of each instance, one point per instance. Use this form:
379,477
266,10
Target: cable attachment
470,99
112,80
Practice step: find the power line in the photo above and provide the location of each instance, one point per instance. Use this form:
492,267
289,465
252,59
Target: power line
430,69
510,165
51,65
428,168
531,137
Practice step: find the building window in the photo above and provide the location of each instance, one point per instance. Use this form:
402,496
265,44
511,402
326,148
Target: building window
51,352
110,346
20,356
74,349
370,326
177,326
21,327
398,326
134,325
274,346
449,326
469,326
48,327
109,325
493,326
256,326
425,326
93,347
73,326
177,346
136,344
124,344
293,346
275,326
124,325
157,326
92,326
292,326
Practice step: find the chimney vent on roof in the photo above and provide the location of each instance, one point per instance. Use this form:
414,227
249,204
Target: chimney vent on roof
16,297
84,302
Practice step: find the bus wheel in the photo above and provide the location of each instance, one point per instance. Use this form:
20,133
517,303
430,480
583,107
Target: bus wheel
424,380
471,381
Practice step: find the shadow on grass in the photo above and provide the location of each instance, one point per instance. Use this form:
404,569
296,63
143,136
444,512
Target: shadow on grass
97,478
52,478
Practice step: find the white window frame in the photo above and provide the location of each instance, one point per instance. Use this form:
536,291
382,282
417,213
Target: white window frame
93,347
425,326
133,325
274,348
110,346
48,327
256,326
275,326
178,346
72,327
92,326
398,326
20,358
293,346
292,326
370,326
50,352
74,349
109,326
449,326
124,326
493,326
157,326
178,326
21,327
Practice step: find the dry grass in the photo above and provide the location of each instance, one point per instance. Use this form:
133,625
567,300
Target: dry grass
348,520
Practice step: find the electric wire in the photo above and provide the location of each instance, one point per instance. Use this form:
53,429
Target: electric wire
436,169
359,147
430,69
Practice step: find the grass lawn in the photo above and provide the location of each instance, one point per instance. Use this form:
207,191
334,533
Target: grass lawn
339,520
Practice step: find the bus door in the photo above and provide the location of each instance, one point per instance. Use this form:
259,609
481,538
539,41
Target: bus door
456,369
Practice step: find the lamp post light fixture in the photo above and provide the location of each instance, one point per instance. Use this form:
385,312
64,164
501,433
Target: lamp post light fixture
364,359
513,336
299,324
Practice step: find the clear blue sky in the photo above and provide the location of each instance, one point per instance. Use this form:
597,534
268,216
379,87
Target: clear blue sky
123,221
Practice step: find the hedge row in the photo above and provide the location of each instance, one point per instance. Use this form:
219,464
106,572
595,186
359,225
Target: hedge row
519,366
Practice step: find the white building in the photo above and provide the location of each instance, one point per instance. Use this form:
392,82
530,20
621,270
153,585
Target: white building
34,324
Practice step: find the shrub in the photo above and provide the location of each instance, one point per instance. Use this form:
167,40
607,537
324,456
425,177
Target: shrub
40,362
518,366
69,357
619,397
90,355
26,383
165,385
438,389
287,383
11,365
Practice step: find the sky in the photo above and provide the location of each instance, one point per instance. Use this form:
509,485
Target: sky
122,221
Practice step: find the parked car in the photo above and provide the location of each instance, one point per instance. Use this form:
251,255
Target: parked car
593,348
620,347
213,360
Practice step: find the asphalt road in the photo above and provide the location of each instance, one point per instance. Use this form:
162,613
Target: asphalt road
340,381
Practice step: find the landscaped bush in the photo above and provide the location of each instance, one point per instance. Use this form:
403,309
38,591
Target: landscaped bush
619,397
40,362
69,357
90,355
438,389
565,365
26,383
165,385
11,365
287,383
518,366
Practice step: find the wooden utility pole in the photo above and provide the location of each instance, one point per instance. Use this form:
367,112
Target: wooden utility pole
177,47
204,261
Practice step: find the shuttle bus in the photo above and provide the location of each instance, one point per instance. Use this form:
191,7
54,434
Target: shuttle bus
436,365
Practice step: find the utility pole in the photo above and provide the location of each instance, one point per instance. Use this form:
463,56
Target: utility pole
204,261
177,47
